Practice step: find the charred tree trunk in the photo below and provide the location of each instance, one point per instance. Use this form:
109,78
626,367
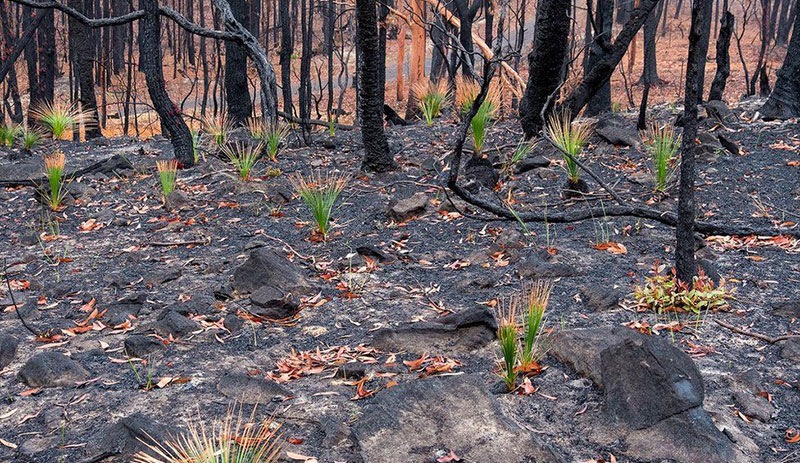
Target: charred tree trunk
784,101
46,81
22,44
785,23
546,64
31,55
377,156
723,56
601,40
703,43
287,42
82,46
304,100
650,73
237,90
601,72
684,231
168,112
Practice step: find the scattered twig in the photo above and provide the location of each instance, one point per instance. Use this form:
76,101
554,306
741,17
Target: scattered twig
753,334
288,246
14,301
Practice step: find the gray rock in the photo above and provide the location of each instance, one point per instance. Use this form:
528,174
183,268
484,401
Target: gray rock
251,390
413,421
709,148
601,297
534,266
580,349
617,130
163,276
408,208
176,201
481,173
729,145
171,323
52,369
530,163
790,350
8,349
232,323
720,111
688,437
753,406
510,238
271,302
36,445
128,436
788,309
140,346
647,379
457,333
267,267
336,433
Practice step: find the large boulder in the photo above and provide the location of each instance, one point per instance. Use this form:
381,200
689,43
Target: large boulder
251,390
616,130
52,369
268,267
129,436
426,419
8,349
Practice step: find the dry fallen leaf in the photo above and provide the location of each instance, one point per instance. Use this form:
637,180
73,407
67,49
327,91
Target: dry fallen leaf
792,436
300,457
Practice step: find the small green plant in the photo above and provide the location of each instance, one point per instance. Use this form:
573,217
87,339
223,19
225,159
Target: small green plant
569,137
59,118
167,175
234,439
256,128
486,112
273,138
432,98
616,107
536,297
8,133
196,140
244,157
665,293
145,383
54,171
332,127
507,334
466,92
662,144
319,193
30,138
524,148
218,129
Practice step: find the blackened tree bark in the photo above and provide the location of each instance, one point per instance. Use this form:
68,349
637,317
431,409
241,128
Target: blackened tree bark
31,55
601,39
46,81
623,9
384,13
784,101
304,100
377,156
703,43
466,15
545,63
723,56
168,112
650,72
118,37
601,72
785,23
237,90
83,48
441,44
287,42
23,43
685,264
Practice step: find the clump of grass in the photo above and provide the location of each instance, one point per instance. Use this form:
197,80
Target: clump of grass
218,129
54,171
195,145
257,128
536,297
30,138
569,137
319,194
244,157
486,112
59,118
274,137
432,98
507,333
665,293
466,92
235,439
167,175
8,133
524,148
662,144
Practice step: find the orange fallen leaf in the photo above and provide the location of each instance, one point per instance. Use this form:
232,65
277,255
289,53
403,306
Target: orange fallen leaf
792,436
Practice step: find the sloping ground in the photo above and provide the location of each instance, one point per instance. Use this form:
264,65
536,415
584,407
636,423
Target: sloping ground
165,290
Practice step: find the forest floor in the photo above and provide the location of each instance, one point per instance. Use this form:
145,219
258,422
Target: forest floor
116,266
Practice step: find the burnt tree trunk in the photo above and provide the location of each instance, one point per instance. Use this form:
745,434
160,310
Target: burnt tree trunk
31,54
150,56
784,101
785,23
601,40
304,99
82,46
703,43
287,42
22,44
46,81
723,56
684,231
377,157
650,72
601,72
545,63
237,90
